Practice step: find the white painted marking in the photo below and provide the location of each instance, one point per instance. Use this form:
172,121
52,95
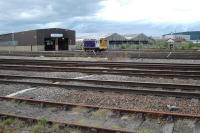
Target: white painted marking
84,77
56,82
20,92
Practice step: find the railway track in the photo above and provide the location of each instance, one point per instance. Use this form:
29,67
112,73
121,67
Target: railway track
45,110
178,90
62,106
138,65
152,54
142,69
123,72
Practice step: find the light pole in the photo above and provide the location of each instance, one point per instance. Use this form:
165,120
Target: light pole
13,38
139,49
12,42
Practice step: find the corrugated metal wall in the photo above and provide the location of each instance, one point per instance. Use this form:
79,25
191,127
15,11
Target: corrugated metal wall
35,37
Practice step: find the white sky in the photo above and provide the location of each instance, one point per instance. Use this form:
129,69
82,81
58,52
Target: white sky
151,11
101,16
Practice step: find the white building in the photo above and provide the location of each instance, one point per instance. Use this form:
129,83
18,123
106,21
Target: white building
176,37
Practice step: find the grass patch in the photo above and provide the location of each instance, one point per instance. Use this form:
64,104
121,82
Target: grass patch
14,126
125,117
8,122
115,127
79,109
55,126
178,46
75,131
10,131
21,104
8,125
188,45
181,131
148,131
40,126
82,121
102,113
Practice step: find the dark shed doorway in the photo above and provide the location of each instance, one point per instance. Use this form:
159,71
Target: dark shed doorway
63,44
49,44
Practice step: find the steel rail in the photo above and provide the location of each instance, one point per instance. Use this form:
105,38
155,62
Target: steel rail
129,54
112,54
171,89
139,73
66,106
93,62
70,124
94,70
104,64
110,82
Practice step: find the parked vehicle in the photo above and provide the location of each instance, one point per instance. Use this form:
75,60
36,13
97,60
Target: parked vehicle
95,45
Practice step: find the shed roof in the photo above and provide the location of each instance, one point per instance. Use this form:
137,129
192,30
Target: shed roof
141,37
115,37
35,30
130,36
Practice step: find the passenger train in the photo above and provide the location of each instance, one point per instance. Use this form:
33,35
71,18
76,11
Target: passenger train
95,45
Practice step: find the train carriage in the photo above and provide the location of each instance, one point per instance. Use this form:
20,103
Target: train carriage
103,44
95,45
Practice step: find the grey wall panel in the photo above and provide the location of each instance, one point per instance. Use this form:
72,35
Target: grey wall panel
22,38
26,38
36,37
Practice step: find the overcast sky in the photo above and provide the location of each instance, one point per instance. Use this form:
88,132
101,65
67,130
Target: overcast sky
152,17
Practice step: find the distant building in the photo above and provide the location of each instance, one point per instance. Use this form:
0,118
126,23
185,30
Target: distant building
177,37
193,36
52,39
139,38
116,38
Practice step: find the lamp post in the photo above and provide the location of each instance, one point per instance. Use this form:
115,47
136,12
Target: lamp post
139,49
12,39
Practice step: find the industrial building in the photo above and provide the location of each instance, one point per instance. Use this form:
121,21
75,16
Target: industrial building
193,36
177,37
139,39
115,39
118,39
52,39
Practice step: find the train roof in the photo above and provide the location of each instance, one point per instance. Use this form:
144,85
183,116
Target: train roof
90,40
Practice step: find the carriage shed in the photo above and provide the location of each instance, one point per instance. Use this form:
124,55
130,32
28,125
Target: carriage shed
52,39
116,40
